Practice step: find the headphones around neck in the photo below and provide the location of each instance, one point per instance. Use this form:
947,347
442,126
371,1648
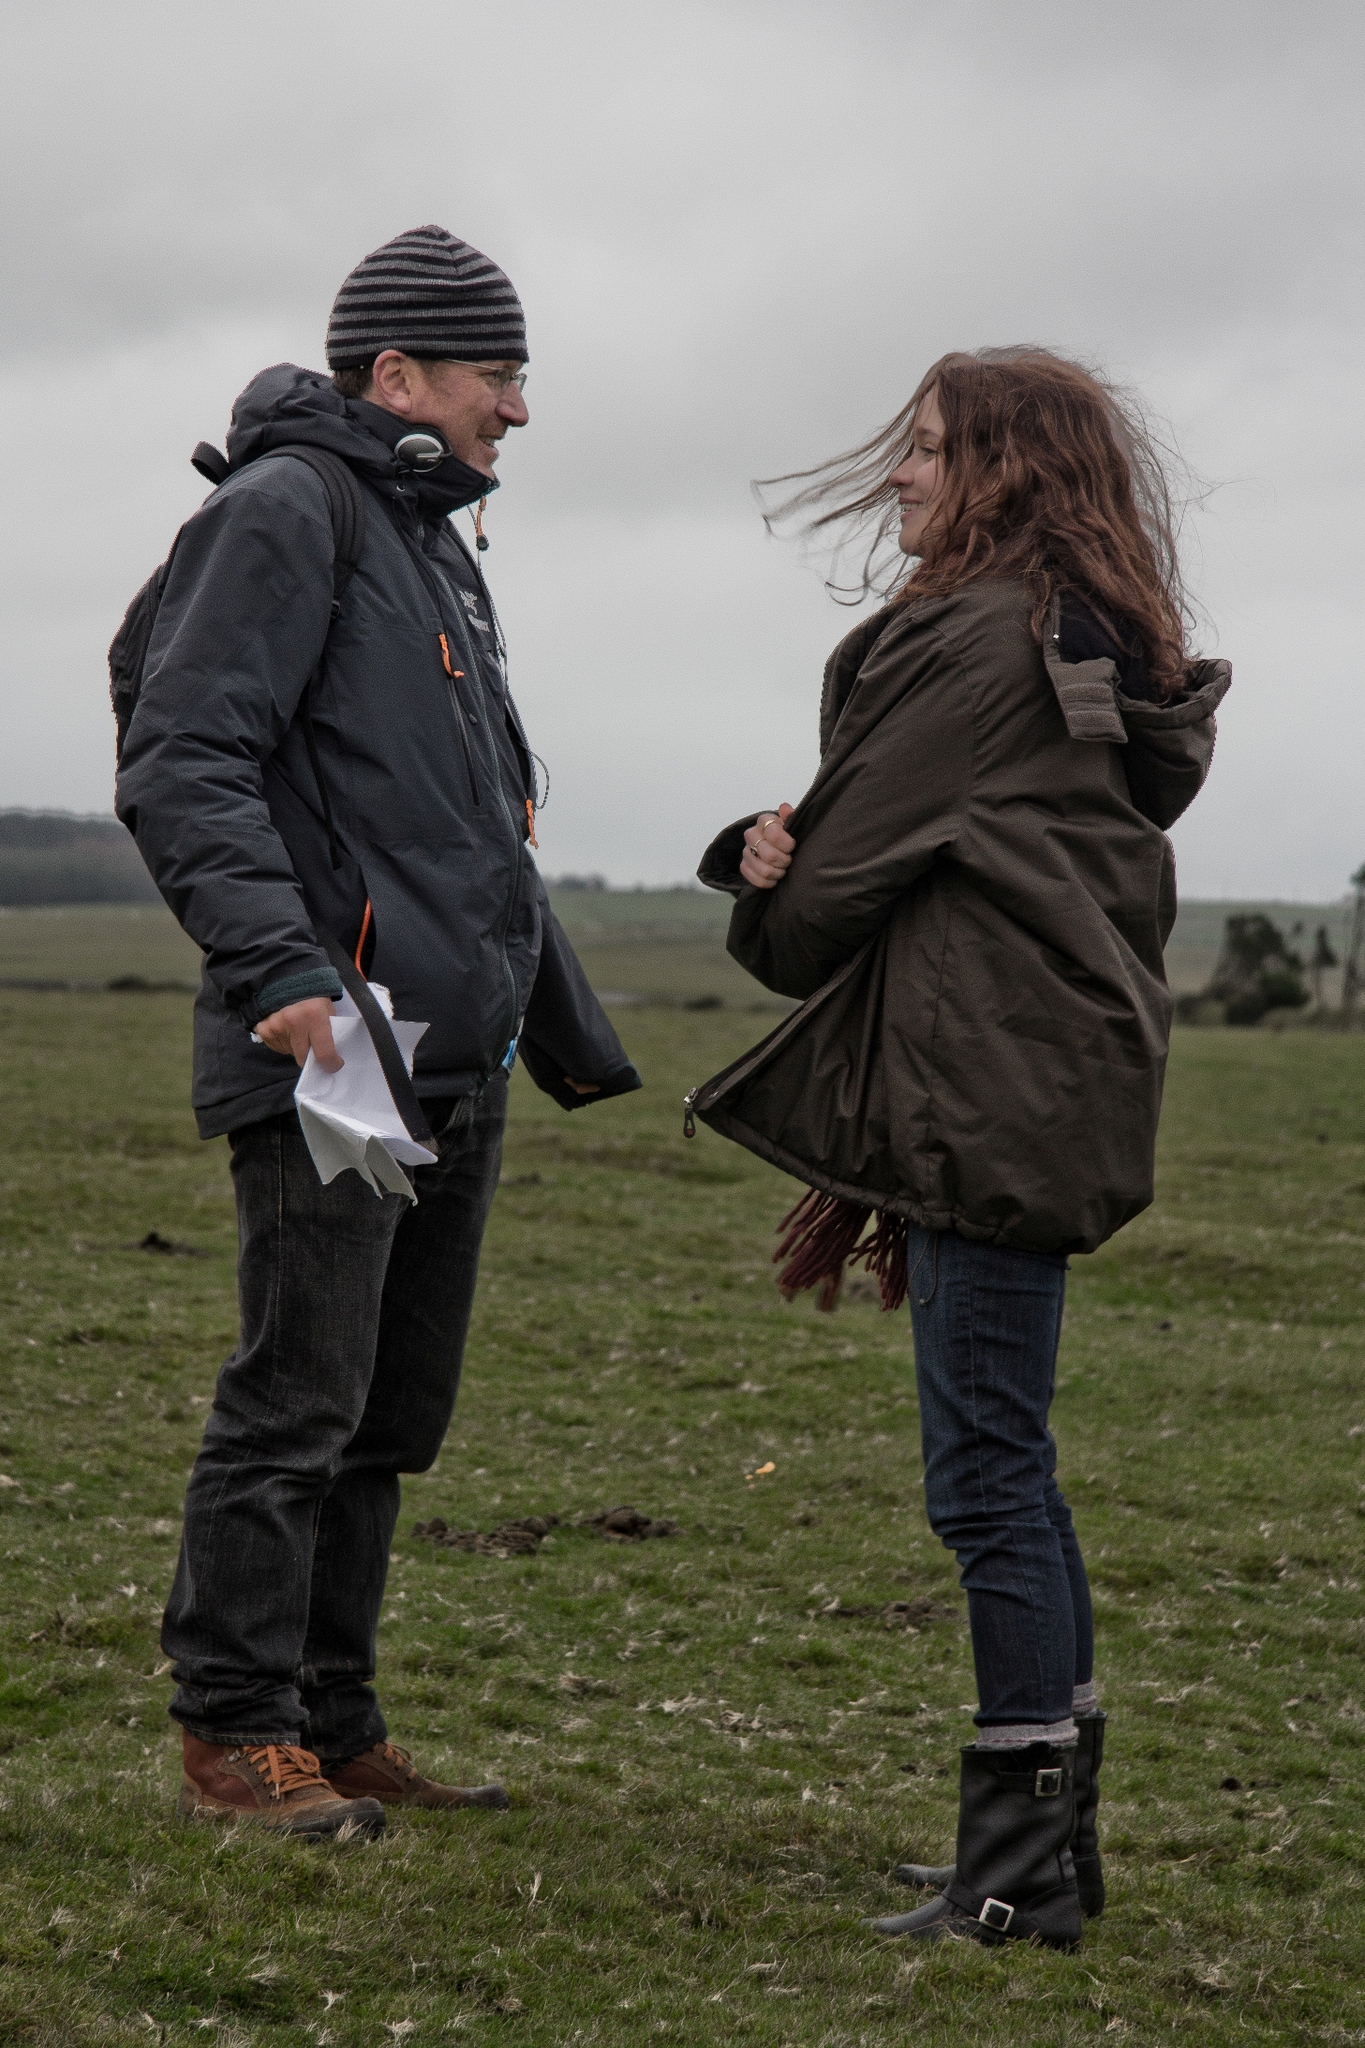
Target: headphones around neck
422,450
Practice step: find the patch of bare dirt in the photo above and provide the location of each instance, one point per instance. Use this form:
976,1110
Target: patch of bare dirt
628,1525
509,1539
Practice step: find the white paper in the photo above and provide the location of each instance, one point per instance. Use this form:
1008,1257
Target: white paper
349,1118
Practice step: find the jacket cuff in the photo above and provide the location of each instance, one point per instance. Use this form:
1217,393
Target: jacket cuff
548,1075
720,863
293,988
624,1081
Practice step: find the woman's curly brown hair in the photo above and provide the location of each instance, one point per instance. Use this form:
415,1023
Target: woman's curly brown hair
1050,475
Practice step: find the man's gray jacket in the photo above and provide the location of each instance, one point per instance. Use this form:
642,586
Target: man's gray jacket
428,772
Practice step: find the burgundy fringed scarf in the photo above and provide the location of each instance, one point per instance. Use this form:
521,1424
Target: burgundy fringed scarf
824,1233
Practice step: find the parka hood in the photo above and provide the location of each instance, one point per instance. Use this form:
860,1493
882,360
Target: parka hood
284,405
1168,744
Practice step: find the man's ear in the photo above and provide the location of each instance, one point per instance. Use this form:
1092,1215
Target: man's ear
392,381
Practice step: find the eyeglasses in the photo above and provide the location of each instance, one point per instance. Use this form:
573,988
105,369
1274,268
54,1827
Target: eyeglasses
501,380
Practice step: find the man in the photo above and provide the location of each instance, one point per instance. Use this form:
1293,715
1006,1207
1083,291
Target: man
399,825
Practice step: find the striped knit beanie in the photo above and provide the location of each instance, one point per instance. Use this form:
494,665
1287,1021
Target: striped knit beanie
429,294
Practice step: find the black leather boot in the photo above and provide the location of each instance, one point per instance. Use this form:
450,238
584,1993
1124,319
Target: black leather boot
1085,1841
926,1877
1085,1847
1013,1879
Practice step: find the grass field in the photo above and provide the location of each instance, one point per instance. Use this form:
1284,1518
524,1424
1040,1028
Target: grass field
717,1746
665,944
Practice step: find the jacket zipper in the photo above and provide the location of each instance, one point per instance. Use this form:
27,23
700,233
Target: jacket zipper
453,675
768,1048
517,846
500,645
510,712
429,578
456,675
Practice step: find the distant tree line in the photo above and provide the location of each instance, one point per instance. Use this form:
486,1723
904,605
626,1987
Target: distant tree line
64,857
1257,971
59,857
1261,970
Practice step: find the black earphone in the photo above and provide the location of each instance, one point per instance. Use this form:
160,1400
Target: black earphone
421,450
424,449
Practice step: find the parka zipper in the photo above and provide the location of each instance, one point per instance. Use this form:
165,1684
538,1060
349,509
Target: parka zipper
510,711
454,676
768,1048
518,842
429,578
457,675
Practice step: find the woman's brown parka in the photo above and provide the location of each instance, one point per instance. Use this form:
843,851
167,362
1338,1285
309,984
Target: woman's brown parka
974,917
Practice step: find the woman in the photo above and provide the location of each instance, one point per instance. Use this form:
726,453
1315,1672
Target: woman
973,897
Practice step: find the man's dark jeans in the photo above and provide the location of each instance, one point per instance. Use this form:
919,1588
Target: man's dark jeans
354,1310
986,1323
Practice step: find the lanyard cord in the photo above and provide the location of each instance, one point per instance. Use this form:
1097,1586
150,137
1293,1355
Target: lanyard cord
480,544
480,548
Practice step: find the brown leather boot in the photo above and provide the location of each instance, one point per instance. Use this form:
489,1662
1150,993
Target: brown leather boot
275,1784
386,1773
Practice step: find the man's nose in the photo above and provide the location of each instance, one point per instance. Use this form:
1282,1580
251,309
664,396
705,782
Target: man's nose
512,408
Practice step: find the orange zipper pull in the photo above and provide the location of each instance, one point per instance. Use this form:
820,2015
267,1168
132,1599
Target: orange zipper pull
531,824
364,934
456,674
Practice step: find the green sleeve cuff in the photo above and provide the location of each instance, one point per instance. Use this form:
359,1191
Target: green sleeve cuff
297,988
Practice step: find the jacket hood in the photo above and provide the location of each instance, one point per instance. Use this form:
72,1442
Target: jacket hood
1167,744
284,405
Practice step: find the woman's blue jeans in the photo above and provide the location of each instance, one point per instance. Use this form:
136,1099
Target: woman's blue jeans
986,1323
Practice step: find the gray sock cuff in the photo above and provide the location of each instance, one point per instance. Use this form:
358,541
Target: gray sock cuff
1019,1734
1086,1698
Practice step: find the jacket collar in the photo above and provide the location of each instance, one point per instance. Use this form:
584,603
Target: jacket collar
285,404
447,488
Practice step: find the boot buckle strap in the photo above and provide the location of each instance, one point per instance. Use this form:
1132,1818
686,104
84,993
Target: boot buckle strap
996,1915
1048,1783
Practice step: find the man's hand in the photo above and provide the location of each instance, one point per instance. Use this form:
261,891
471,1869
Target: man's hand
768,849
583,1087
300,1025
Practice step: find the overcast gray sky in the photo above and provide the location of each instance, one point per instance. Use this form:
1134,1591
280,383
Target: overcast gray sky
741,232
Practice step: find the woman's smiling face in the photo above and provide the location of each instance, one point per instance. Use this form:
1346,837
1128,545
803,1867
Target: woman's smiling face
919,480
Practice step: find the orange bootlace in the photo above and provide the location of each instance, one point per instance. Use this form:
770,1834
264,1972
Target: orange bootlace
395,1755
288,1767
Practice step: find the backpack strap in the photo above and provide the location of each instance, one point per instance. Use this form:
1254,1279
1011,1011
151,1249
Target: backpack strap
381,1035
346,504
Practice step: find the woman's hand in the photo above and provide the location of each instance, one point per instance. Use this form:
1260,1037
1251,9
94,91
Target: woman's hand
768,849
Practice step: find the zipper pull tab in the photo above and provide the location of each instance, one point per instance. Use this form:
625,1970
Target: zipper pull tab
689,1121
456,674
531,824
